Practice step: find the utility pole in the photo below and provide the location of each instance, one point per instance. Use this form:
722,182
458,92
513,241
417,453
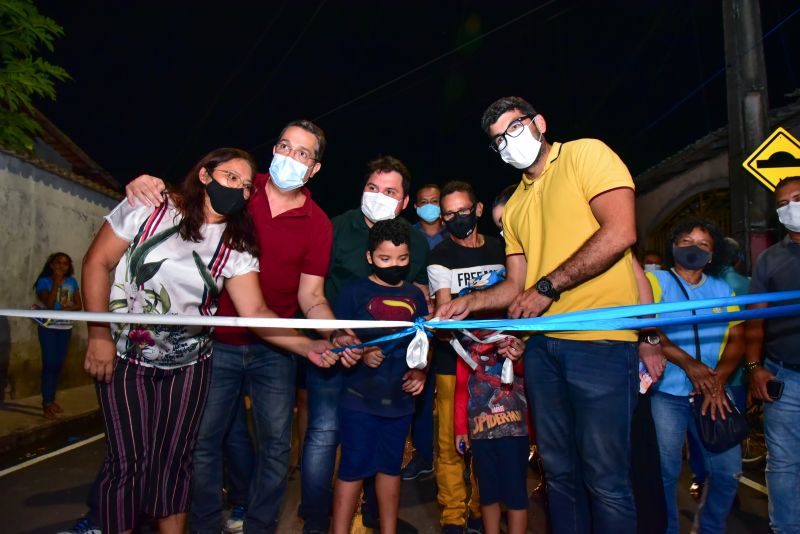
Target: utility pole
752,209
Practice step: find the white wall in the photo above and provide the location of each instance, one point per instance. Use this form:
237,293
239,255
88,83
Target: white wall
40,213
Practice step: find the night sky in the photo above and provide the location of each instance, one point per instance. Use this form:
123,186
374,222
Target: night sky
156,85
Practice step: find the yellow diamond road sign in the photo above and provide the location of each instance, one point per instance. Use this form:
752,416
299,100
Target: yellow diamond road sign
777,158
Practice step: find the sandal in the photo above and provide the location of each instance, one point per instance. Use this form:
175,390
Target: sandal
48,412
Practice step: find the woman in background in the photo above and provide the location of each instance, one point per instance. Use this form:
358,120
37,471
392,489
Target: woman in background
56,289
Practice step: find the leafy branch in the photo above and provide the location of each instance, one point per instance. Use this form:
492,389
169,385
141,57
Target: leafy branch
23,75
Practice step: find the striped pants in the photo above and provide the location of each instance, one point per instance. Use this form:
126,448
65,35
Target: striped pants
151,417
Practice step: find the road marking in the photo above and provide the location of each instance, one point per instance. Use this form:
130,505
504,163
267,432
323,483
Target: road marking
755,485
44,457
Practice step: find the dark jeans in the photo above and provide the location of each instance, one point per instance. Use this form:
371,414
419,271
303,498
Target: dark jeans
239,459
673,419
583,394
54,344
422,425
270,375
319,449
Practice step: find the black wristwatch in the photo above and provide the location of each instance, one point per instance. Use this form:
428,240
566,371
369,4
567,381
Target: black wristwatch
650,337
545,287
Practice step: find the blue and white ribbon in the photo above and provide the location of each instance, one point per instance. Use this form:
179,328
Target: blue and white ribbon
619,318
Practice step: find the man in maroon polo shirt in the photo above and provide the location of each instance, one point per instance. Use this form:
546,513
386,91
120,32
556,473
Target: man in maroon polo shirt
295,237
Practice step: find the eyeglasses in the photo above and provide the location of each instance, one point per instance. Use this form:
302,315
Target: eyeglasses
235,181
300,154
463,212
514,129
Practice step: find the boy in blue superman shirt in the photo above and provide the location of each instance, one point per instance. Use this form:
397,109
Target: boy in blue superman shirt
377,399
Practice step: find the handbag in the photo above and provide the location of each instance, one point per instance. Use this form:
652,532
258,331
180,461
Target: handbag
717,435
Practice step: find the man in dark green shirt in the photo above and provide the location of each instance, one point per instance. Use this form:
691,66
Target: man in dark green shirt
386,192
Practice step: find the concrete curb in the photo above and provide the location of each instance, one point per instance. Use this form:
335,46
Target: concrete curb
20,438
22,422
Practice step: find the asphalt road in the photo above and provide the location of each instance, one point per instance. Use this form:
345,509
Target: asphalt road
48,496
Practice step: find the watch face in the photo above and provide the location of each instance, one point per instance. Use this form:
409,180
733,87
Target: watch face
650,339
543,286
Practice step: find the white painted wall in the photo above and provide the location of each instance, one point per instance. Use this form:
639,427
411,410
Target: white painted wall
40,213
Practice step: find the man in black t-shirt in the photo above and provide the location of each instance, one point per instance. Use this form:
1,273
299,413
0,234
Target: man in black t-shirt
453,266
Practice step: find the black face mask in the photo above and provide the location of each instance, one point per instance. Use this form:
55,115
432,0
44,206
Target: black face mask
392,275
225,200
692,257
462,226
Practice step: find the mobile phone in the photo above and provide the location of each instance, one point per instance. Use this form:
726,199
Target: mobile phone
774,389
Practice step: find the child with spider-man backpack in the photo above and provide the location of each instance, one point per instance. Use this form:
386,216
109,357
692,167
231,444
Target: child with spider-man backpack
491,419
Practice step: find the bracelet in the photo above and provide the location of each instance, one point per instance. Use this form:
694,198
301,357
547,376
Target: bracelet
750,366
312,307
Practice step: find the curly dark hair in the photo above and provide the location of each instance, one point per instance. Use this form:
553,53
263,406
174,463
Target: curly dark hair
190,199
48,271
719,256
502,105
393,230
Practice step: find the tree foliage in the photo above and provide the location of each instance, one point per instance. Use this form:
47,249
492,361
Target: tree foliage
23,75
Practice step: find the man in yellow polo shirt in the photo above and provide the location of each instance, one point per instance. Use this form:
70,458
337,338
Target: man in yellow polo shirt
568,228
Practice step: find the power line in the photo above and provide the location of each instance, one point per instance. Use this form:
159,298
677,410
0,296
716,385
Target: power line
714,76
189,138
278,65
434,60
422,66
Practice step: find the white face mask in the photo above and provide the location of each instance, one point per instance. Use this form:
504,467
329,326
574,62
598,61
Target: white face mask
651,267
521,151
286,173
378,207
789,215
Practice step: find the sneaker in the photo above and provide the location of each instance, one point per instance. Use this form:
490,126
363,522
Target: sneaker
474,525
416,468
235,522
452,529
83,526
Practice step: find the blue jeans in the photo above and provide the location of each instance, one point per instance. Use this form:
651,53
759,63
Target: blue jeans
239,459
319,450
673,418
270,376
782,429
422,426
54,344
583,394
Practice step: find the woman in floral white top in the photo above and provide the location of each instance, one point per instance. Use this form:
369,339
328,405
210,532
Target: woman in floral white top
152,380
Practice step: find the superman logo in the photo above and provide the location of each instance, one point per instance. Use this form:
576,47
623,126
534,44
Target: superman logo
392,308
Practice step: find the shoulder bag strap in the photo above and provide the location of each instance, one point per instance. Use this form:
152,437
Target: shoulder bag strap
694,326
